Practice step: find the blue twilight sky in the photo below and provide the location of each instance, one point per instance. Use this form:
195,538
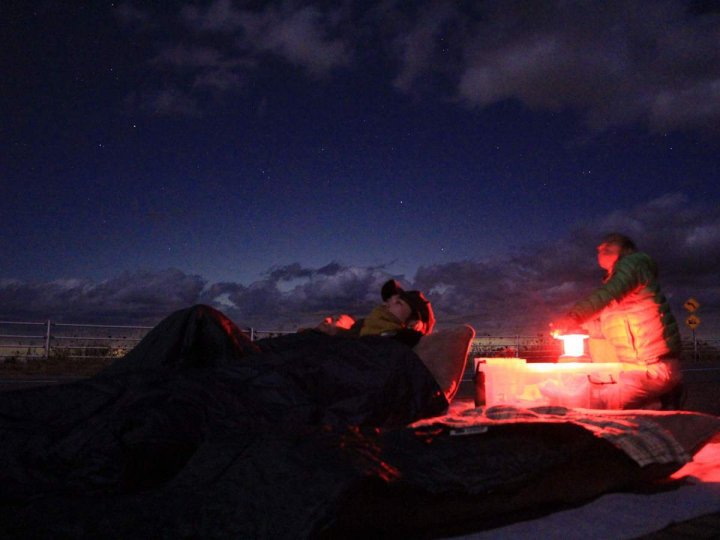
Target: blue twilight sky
281,159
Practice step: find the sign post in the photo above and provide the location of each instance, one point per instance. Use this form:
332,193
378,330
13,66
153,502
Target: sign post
693,321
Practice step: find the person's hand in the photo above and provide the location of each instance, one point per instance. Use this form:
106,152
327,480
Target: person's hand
344,321
331,325
416,325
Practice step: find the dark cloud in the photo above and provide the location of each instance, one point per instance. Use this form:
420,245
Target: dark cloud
218,16
422,41
132,298
520,292
614,63
289,272
294,296
299,33
524,291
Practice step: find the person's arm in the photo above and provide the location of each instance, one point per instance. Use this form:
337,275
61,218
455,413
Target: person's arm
629,273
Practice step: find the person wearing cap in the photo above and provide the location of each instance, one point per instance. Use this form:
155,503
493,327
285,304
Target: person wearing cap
421,318
400,310
403,315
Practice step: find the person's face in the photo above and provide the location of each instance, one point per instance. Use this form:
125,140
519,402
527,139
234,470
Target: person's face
607,256
398,307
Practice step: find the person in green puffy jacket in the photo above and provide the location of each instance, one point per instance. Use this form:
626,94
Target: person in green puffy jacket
635,319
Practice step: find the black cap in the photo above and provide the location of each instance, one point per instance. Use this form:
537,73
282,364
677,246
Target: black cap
390,288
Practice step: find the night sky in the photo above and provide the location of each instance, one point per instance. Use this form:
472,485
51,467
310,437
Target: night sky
280,160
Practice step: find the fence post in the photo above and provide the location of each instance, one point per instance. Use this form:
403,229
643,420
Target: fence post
47,340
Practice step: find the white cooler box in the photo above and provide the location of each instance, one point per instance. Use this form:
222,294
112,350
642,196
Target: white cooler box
513,381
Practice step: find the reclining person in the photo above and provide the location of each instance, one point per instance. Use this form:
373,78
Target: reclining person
404,315
203,337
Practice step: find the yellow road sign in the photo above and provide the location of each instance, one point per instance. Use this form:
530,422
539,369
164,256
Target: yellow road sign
691,304
692,321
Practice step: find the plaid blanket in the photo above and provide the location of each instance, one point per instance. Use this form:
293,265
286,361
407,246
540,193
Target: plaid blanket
636,433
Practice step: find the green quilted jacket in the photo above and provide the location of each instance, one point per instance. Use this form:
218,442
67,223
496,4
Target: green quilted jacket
635,317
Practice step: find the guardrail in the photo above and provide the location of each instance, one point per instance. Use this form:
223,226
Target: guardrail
42,340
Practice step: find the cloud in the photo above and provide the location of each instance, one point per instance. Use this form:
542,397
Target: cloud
524,291
420,45
219,16
689,107
131,298
299,36
614,63
302,35
515,293
285,299
220,47
294,296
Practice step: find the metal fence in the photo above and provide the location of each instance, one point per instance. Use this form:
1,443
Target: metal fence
43,340
36,340
48,339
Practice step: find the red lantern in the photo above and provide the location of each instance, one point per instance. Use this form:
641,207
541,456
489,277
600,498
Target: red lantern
573,347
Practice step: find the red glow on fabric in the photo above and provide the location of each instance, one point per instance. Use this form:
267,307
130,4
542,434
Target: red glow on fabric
428,436
387,472
232,331
364,444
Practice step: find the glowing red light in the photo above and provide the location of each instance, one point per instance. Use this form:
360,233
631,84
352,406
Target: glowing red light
573,344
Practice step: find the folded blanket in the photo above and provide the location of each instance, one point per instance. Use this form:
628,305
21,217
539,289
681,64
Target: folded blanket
643,435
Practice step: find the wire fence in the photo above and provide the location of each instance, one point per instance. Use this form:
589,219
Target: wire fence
23,340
